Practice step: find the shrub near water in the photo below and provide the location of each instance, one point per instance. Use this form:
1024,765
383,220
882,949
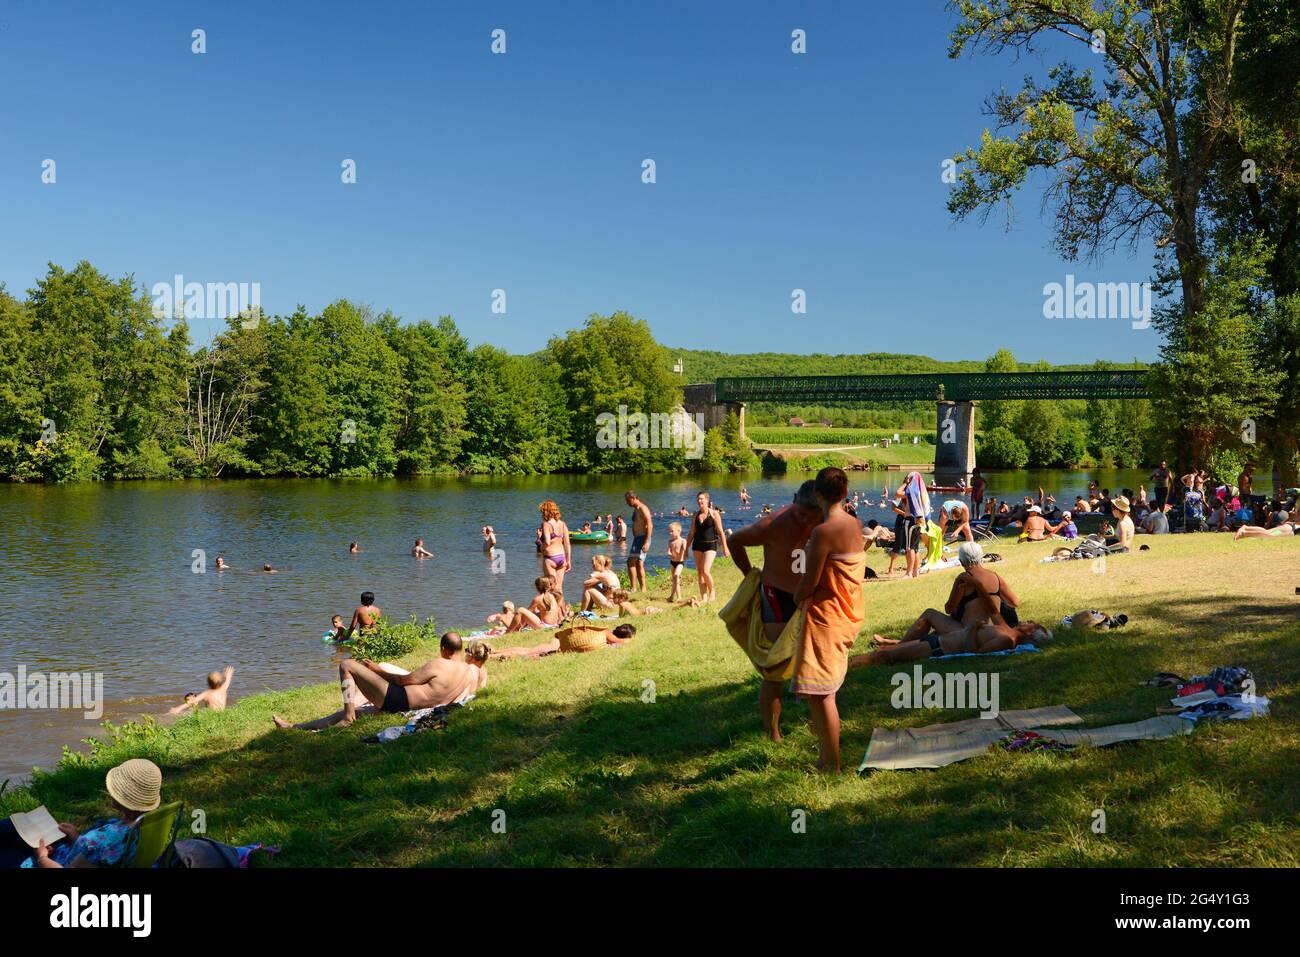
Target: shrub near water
390,640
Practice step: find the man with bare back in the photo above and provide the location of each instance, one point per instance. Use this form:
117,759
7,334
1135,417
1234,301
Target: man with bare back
783,536
642,528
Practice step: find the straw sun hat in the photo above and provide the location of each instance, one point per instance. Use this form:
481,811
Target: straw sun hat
135,784
1119,503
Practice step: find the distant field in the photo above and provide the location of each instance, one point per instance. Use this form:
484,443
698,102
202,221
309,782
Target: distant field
818,435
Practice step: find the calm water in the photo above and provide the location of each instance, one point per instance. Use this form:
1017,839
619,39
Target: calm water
97,577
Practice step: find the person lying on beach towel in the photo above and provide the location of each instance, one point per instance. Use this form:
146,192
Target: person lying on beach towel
935,634
949,637
441,681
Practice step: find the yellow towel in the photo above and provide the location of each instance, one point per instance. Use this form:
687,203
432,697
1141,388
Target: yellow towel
773,660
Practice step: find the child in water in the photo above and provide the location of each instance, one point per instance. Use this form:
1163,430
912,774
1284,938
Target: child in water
676,557
215,695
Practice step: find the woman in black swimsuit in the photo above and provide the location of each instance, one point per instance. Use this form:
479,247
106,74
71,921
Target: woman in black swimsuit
963,602
706,537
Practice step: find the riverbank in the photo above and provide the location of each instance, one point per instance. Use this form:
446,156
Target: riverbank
587,771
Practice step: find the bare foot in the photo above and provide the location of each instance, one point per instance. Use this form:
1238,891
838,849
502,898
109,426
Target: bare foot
882,640
280,722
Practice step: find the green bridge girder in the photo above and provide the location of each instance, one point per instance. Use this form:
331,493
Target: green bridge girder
953,386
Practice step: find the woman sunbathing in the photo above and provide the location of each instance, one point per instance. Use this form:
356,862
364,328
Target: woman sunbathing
616,636
441,681
1255,531
935,634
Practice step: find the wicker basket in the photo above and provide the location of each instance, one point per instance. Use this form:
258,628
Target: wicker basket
581,636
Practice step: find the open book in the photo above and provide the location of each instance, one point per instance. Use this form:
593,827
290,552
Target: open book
32,826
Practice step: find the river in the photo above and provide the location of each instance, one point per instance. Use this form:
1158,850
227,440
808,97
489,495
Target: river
98,577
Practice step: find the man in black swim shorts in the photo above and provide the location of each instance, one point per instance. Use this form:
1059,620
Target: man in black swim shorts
783,536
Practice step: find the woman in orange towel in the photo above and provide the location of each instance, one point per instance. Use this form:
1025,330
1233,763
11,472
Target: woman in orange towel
831,593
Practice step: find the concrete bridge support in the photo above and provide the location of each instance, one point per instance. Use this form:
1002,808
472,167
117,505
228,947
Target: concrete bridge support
702,399
954,444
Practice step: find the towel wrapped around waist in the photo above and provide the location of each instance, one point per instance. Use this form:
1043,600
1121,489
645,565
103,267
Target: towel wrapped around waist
772,659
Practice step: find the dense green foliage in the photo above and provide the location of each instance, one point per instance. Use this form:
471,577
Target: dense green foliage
389,640
1174,123
94,385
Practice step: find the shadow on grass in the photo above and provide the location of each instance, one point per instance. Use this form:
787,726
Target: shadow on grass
689,780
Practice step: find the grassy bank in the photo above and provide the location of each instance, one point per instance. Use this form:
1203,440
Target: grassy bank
587,772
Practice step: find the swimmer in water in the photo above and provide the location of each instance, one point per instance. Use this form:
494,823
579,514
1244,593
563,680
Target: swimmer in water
489,538
222,564
340,630
352,549
214,697
268,569
419,551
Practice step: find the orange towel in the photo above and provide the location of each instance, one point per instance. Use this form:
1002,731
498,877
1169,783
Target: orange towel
833,617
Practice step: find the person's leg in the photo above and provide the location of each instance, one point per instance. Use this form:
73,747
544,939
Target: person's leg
769,706
709,556
893,654
931,620
826,723
524,618
339,719
368,683
676,593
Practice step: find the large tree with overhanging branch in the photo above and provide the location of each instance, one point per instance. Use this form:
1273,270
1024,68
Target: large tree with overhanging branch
1142,134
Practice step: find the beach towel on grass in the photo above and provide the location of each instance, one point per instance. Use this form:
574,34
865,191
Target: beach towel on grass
1018,649
742,615
418,721
936,746
938,566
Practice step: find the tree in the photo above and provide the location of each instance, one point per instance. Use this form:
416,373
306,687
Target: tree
999,448
1211,387
1002,412
20,400
613,366
432,423
1126,160
1039,426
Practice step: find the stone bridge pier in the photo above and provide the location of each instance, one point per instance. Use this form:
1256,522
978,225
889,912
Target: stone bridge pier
703,399
954,442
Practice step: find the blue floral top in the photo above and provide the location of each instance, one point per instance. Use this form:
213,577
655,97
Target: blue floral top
105,844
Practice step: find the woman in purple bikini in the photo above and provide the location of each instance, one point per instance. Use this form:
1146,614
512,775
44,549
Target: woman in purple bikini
555,543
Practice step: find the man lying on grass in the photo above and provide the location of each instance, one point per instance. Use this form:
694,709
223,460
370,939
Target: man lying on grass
442,681
935,634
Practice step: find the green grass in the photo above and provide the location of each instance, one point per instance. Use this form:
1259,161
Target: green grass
764,436
588,773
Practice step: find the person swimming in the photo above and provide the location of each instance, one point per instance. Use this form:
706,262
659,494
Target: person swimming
419,551
352,548
222,564
215,695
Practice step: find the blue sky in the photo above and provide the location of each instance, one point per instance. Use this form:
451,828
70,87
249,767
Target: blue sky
522,171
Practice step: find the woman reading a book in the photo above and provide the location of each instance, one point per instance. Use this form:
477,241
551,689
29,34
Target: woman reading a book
34,839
